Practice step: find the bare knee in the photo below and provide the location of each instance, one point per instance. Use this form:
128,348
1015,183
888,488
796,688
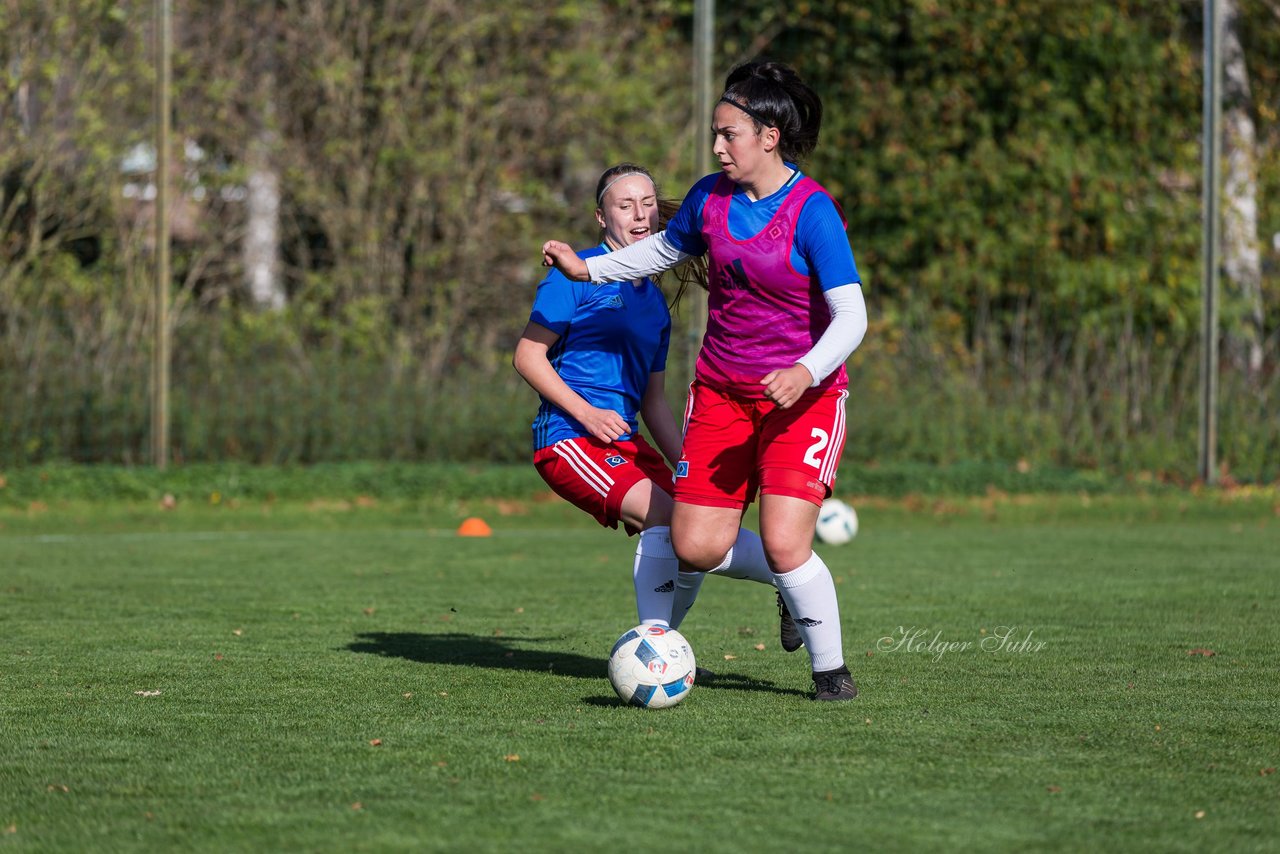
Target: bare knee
786,556
645,505
702,536
786,530
699,551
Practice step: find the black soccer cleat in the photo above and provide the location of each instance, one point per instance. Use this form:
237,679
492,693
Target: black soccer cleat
834,685
788,634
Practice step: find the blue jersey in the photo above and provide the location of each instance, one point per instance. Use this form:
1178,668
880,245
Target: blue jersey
612,336
821,248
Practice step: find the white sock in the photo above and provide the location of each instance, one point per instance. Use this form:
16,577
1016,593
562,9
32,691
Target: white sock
687,586
746,559
810,594
654,575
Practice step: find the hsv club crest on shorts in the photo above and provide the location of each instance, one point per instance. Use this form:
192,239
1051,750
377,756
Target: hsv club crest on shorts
682,468
615,461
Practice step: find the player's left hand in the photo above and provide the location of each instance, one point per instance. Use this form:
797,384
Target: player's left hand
784,387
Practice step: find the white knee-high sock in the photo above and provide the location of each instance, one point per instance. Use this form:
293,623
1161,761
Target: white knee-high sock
746,559
654,575
687,586
810,594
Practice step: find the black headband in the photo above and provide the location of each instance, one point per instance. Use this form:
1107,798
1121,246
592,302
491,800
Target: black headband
750,112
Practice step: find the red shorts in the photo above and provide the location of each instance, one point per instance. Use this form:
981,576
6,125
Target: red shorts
595,477
735,445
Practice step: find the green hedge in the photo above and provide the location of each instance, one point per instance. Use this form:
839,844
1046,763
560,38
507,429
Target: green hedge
451,481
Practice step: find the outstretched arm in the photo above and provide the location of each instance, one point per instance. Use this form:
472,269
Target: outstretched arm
653,255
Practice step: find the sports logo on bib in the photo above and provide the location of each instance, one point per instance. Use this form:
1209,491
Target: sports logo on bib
735,277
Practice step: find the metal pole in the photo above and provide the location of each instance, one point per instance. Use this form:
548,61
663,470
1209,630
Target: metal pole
704,27
160,301
1210,210
704,15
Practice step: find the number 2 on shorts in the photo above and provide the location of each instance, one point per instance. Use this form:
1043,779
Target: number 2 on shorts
811,455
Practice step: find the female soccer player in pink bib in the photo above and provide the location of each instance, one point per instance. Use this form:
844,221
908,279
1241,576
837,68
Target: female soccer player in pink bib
766,410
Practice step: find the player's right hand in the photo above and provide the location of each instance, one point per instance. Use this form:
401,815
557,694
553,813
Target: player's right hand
561,256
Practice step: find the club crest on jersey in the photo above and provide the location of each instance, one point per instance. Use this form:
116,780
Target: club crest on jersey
615,461
682,468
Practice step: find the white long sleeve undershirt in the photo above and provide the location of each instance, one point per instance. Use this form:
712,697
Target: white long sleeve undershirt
842,337
657,254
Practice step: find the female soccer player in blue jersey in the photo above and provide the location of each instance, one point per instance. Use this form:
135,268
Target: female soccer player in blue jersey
596,354
785,310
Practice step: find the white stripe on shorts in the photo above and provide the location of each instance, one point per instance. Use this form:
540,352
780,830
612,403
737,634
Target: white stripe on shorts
828,472
587,469
688,410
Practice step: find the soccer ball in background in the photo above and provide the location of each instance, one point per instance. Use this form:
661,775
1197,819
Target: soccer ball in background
837,522
652,666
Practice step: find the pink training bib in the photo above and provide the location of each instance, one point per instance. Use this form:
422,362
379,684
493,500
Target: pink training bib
762,315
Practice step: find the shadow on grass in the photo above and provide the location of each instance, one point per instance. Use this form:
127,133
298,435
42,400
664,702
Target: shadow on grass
477,651
510,654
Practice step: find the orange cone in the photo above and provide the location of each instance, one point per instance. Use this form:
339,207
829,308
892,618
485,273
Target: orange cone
474,526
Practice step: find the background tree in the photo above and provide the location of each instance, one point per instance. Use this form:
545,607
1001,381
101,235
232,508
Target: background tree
72,306
1242,258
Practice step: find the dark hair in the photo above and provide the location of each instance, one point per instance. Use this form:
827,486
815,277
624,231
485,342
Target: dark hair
773,95
692,272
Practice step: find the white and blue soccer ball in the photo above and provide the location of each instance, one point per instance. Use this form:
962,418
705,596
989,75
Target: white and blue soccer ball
837,522
652,666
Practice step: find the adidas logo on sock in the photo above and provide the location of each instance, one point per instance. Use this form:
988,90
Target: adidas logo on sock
808,622
666,588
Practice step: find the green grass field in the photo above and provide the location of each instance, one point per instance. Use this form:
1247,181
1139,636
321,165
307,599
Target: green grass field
335,677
